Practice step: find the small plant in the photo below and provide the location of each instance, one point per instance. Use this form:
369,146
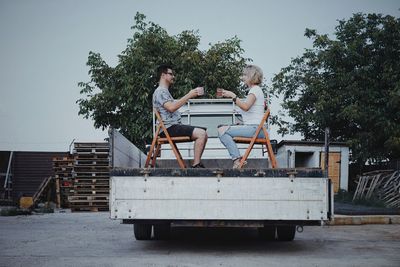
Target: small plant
344,196
14,212
373,201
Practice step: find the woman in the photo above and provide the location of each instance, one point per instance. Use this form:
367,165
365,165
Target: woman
252,110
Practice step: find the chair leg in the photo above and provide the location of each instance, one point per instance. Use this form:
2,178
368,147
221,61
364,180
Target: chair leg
153,162
246,154
271,155
153,144
178,155
150,153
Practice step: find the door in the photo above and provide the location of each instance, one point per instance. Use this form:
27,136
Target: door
334,168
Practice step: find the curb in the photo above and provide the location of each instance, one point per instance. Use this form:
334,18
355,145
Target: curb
365,219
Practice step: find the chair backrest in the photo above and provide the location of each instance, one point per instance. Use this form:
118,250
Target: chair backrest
161,125
159,119
262,122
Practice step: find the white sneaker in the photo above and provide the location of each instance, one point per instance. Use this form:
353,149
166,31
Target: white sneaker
236,163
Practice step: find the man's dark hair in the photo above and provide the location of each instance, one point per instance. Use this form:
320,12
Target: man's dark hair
162,69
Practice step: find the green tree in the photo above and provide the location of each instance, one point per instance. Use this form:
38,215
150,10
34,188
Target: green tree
350,84
121,97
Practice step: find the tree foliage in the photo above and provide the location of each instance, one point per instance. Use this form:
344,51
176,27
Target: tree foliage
121,96
350,84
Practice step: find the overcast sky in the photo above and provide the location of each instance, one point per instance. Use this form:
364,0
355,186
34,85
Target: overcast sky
44,46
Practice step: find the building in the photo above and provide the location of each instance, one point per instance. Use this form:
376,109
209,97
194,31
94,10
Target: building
310,154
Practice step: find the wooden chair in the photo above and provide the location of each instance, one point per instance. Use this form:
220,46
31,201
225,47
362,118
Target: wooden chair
255,140
159,141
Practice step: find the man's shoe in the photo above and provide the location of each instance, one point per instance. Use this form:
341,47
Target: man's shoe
198,165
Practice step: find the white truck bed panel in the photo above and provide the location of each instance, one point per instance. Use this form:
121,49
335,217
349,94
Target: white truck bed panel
224,198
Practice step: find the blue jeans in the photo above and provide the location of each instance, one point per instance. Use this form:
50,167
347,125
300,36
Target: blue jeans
237,131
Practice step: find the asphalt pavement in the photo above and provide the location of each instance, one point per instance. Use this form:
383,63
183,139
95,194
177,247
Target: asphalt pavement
93,239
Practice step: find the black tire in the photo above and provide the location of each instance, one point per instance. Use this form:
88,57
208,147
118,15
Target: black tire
267,232
142,231
286,232
162,231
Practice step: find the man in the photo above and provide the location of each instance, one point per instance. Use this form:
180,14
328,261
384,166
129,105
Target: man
168,108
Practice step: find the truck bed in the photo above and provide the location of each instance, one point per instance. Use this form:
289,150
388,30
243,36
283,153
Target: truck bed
301,196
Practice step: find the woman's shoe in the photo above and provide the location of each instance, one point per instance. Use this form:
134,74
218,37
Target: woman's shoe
236,163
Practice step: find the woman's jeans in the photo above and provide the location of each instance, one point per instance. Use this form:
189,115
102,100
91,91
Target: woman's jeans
237,131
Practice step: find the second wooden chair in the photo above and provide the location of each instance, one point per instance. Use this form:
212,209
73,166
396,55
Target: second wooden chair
255,140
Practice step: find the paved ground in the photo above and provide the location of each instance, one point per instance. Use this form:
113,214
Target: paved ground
91,239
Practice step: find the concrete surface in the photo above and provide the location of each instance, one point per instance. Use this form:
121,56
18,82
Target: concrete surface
365,219
92,239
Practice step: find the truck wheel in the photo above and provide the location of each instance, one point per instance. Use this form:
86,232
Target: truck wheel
162,231
267,232
142,231
286,232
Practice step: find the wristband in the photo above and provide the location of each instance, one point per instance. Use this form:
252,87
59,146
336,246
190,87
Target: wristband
234,99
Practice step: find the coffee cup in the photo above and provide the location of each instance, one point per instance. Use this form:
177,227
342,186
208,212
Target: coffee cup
200,91
219,92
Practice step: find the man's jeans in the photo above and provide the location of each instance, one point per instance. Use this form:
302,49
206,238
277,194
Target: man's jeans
237,131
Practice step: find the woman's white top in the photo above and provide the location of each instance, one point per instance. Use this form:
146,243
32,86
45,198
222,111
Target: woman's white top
256,112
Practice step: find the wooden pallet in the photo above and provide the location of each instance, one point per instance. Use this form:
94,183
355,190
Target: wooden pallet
63,168
92,181
91,177
85,156
89,198
91,191
91,162
91,209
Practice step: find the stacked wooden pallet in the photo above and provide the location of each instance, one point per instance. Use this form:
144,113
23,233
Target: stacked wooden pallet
63,168
91,177
385,185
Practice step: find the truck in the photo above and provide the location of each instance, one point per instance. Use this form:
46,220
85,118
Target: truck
155,200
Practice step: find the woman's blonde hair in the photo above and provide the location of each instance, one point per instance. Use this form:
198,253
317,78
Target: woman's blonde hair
253,73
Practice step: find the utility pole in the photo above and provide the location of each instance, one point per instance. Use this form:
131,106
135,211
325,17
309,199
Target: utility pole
327,132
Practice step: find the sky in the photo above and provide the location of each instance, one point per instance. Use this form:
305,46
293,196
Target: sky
44,47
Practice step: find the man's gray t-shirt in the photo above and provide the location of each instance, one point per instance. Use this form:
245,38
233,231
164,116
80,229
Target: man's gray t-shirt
160,97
